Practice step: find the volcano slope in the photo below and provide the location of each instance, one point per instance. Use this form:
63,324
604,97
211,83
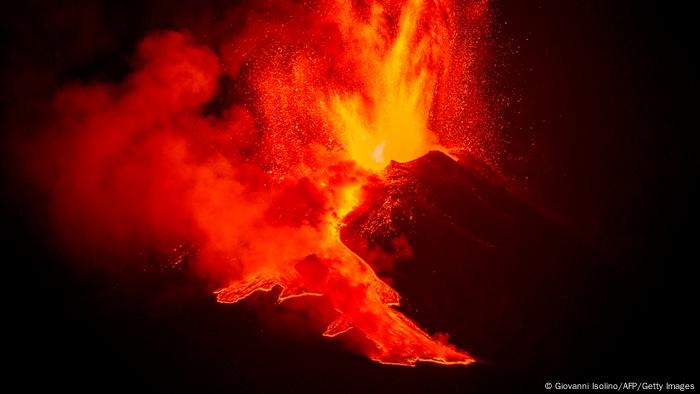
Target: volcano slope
510,284
515,289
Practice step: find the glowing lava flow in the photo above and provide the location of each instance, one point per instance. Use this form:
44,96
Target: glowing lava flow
387,120
362,299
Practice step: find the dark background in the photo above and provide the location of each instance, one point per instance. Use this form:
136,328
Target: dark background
599,132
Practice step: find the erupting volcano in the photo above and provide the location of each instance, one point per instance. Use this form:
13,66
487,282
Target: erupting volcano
250,154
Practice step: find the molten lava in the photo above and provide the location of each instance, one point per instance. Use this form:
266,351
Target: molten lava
333,92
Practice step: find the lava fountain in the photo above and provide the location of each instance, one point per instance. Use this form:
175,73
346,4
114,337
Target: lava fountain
332,92
390,122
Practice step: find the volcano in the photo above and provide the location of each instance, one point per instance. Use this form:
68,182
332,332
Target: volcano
471,257
504,278
245,157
